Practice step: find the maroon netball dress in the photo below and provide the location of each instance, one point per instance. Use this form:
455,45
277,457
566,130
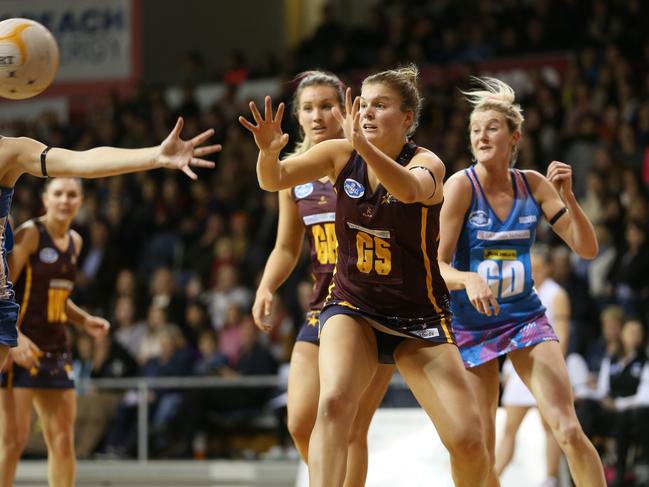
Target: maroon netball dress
316,204
42,292
387,267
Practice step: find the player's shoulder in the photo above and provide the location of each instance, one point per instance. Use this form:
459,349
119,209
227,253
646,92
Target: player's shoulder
458,182
77,239
534,178
27,235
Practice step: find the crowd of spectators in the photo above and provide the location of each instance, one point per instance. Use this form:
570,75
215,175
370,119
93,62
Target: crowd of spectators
173,263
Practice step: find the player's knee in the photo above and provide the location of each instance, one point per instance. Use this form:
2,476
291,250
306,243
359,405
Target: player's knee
63,443
299,429
467,444
13,445
569,434
337,405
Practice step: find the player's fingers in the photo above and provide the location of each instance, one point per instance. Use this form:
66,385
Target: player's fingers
280,113
208,149
244,121
178,128
255,112
198,162
495,306
268,109
337,115
202,137
348,101
189,172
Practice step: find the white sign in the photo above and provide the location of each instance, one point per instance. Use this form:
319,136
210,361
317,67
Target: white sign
95,37
405,450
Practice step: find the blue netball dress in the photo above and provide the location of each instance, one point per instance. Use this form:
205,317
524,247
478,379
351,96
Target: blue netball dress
500,252
8,307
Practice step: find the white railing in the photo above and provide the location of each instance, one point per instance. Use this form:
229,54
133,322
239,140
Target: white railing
143,384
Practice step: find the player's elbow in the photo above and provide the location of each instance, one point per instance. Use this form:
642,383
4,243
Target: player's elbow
589,252
267,185
409,195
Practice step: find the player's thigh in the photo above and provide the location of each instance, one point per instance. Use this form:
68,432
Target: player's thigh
57,410
437,378
303,383
347,357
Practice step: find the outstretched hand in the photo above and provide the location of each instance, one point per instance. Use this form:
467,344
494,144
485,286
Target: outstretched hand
176,153
268,131
351,120
560,175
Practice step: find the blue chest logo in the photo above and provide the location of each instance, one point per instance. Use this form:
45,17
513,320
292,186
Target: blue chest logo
353,188
48,255
303,190
479,219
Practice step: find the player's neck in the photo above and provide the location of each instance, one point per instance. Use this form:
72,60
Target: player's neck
55,228
492,173
391,147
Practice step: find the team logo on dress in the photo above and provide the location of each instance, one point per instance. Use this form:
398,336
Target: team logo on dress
527,219
368,212
427,333
48,255
387,199
479,219
303,190
322,201
353,188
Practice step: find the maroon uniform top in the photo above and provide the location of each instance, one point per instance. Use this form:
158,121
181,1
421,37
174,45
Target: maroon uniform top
387,250
316,204
43,290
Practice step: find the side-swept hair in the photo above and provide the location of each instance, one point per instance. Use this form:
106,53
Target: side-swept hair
314,78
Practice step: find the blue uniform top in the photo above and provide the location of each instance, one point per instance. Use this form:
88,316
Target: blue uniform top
6,291
500,252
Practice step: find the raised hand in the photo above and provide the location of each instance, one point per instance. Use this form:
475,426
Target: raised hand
262,308
480,295
560,175
268,131
351,120
176,153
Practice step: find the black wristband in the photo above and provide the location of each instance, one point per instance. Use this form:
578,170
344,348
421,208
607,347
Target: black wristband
43,161
431,175
558,215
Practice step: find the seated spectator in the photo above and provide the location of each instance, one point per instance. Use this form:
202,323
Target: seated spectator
211,360
196,322
229,336
150,345
173,360
128,332
224,294
629,274
608,344
622,407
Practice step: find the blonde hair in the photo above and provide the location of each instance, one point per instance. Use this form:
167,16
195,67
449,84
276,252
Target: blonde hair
313,78
403,80
494,94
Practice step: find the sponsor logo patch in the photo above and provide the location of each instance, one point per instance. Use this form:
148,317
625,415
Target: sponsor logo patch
303,190
500,254
527,219
479,219
428,333
48,255
353,188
